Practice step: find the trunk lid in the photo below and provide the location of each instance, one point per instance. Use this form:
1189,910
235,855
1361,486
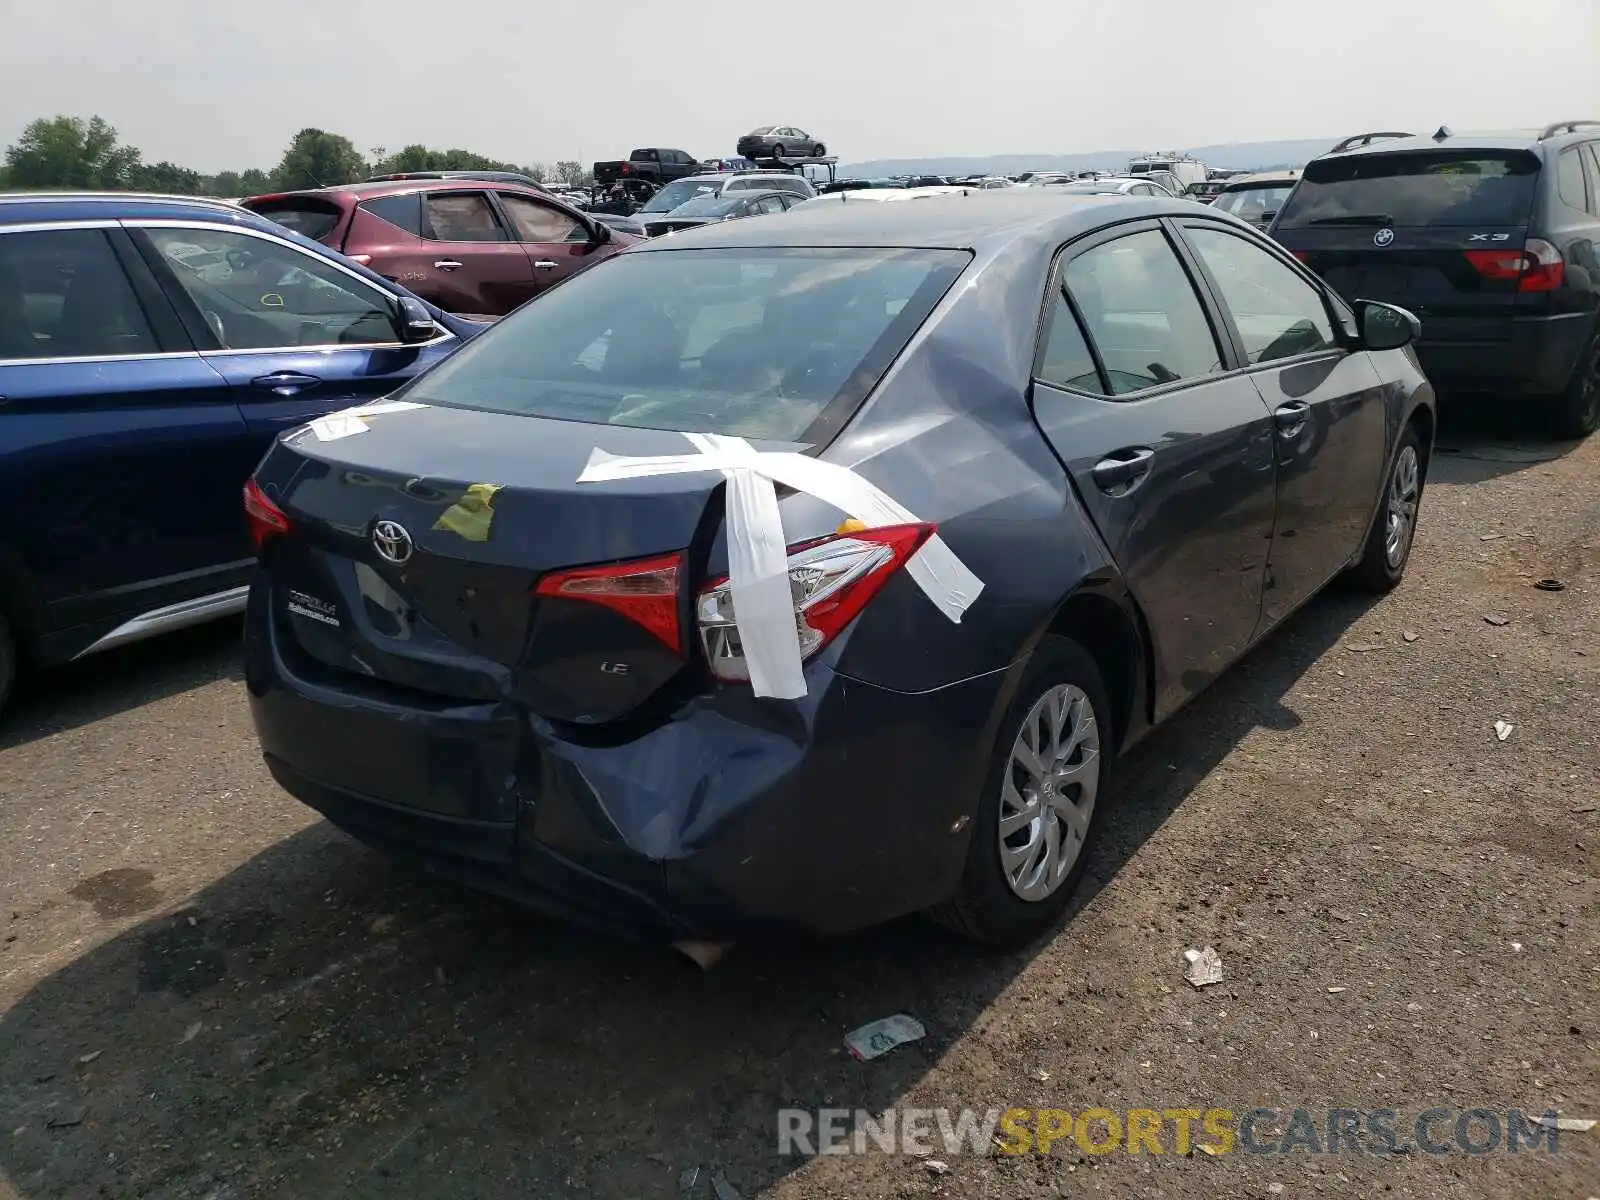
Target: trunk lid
1406,228
459,618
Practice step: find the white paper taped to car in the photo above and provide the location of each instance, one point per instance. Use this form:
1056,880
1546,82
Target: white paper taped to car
758,554
348,422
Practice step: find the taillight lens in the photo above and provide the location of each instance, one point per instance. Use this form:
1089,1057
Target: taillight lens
1537,267
644,590
831,580
265,518
1302,256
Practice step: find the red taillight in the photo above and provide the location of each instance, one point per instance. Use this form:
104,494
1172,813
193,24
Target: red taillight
1302,256
1537,267
831,579
644,590
627,169
265,518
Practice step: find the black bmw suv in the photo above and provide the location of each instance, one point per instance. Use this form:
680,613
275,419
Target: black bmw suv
1493,241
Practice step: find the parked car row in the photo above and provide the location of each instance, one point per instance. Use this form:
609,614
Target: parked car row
1174,424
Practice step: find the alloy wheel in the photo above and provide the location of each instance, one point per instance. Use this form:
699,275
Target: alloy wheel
1048,793
1405,486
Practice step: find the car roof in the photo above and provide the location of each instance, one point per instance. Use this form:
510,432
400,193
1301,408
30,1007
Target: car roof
1515,139
958,222
392,187
1260,179
19,208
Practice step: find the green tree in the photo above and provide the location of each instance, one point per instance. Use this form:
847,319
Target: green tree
417,157
570,172
226,183
167,177
316,158
252,183
69,152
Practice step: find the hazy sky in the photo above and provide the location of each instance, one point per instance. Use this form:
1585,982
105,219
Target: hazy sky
222,83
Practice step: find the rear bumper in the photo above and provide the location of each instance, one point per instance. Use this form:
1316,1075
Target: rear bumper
1536,359
736,815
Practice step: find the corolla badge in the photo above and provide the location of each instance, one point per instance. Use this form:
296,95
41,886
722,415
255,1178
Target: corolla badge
1383,237
392,542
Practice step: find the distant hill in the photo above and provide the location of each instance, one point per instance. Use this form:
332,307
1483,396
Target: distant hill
1230,155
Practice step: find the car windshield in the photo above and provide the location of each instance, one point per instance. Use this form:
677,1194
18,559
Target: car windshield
1254,202
680,191
753,341
708,206
1440,188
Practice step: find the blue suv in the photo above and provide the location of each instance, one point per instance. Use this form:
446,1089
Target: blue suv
151,348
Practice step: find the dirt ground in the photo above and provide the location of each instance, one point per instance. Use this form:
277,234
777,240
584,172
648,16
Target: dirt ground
207,993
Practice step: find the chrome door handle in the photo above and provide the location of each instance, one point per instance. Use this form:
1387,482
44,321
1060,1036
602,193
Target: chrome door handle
448,264
1291,417
544,264
286,383
1123,469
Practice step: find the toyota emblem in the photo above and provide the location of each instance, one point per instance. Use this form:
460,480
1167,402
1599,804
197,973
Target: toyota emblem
1383,237
392,542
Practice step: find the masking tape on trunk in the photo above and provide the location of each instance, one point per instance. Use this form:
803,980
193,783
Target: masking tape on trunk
348,422
758,556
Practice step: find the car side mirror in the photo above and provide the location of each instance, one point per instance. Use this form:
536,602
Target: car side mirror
416,322
599,233
1385,326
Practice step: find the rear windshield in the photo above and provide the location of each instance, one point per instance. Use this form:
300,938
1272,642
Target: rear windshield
679,191
754,342
707,206
1444,188
307,216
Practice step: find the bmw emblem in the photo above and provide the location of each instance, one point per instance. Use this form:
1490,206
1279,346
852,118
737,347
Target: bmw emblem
1383,237
392,542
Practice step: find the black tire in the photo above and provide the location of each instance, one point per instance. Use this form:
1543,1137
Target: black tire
8,663
1378,570
986,909
778,151
819,151
1576,412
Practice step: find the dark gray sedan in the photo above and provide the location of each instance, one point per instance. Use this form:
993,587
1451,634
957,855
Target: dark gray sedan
806,573
729,206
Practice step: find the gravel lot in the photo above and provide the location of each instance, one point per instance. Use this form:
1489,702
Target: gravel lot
207,993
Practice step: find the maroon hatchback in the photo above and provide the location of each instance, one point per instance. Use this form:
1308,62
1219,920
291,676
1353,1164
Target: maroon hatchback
473,247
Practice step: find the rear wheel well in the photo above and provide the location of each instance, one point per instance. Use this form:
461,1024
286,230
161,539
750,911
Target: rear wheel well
1109,636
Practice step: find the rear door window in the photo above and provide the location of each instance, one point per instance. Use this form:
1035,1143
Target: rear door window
1591,155
759,342
309,216
1142,312
461,217
1569,180
1067,362
1434,188
63,294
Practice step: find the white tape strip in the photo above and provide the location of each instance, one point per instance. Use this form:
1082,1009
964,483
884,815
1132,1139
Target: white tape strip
348,422
758,557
